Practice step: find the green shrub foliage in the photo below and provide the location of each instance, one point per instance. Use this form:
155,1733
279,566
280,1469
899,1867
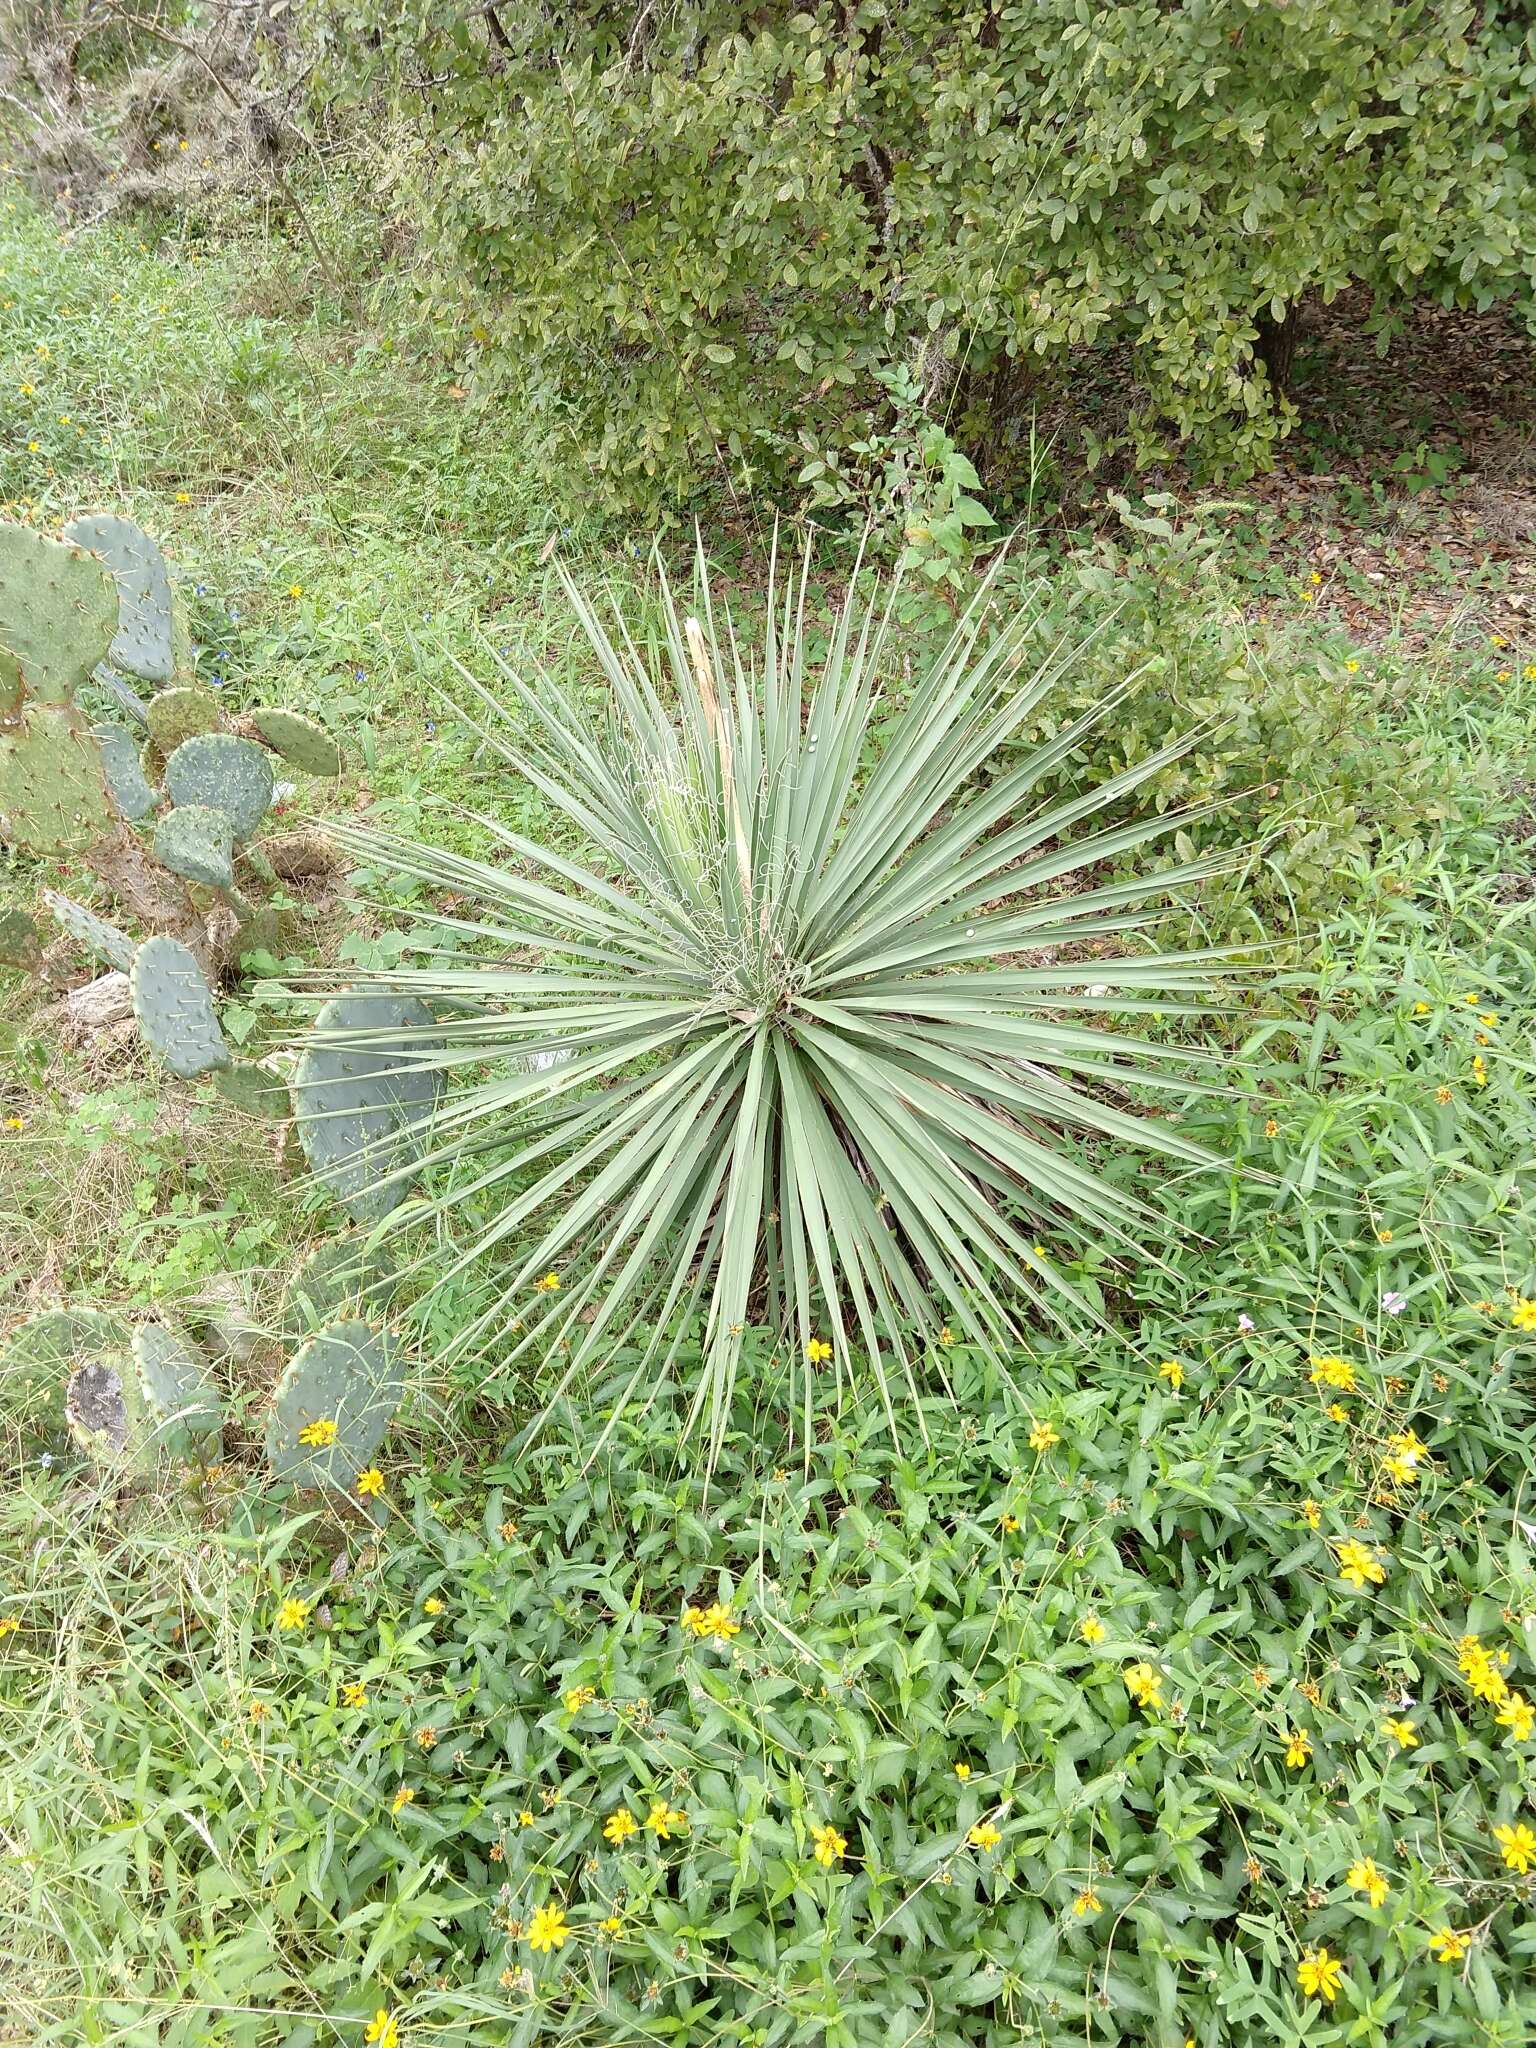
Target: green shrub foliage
705,237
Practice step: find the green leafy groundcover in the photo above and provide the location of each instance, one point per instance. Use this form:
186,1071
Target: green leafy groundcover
910,1656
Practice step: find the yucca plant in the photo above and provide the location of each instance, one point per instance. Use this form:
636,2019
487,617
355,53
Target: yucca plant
819,1038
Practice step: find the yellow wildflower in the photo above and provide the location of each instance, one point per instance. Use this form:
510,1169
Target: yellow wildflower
402,1798
962,1772
1171,1371
354,1693
1009,1523
431,1606
293,1613
8,1626
1091,1629
370,1484
1337,1412
1401,1733
1271,1128
547,1929
1358,1563
524,1818
718,1623
1298,1747
1333,1372
663,1819
318,1434
295,590
1311,1514
1042,1436
1363,1876
612,1925
426,1738
1320,1974
382,2030
983,1835
1449,1944
818,1350
619,1826
578,1697
1518,1716
1087,1901
831,1847
1144,1683
1523,1313
1518,1845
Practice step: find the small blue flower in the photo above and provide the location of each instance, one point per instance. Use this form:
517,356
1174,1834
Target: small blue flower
431,730
200,589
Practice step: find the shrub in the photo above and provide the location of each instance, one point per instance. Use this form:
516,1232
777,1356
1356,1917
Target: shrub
805,1038
698,238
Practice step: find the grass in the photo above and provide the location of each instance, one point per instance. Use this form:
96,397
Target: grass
185,1870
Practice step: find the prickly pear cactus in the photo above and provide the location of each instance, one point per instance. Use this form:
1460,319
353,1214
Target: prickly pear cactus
12,685
127,783
249,1087
143,644
183,1414
19,942
125,698
345,1276
363,1098
58,612
197,843
53,788
340,1392
224,773
181,714
95,937
174,1006
297,740
38,1357
104,1410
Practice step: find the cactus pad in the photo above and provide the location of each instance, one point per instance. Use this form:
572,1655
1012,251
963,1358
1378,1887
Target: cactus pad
53,788
93,934
297,740
12,682
174,1006
19,944
226,773
58,612
349,1375
142,644
103,1408
252,1089
41,1353
198,843
180,1402
127,783
182,713
362,1098
336,1279
123,694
